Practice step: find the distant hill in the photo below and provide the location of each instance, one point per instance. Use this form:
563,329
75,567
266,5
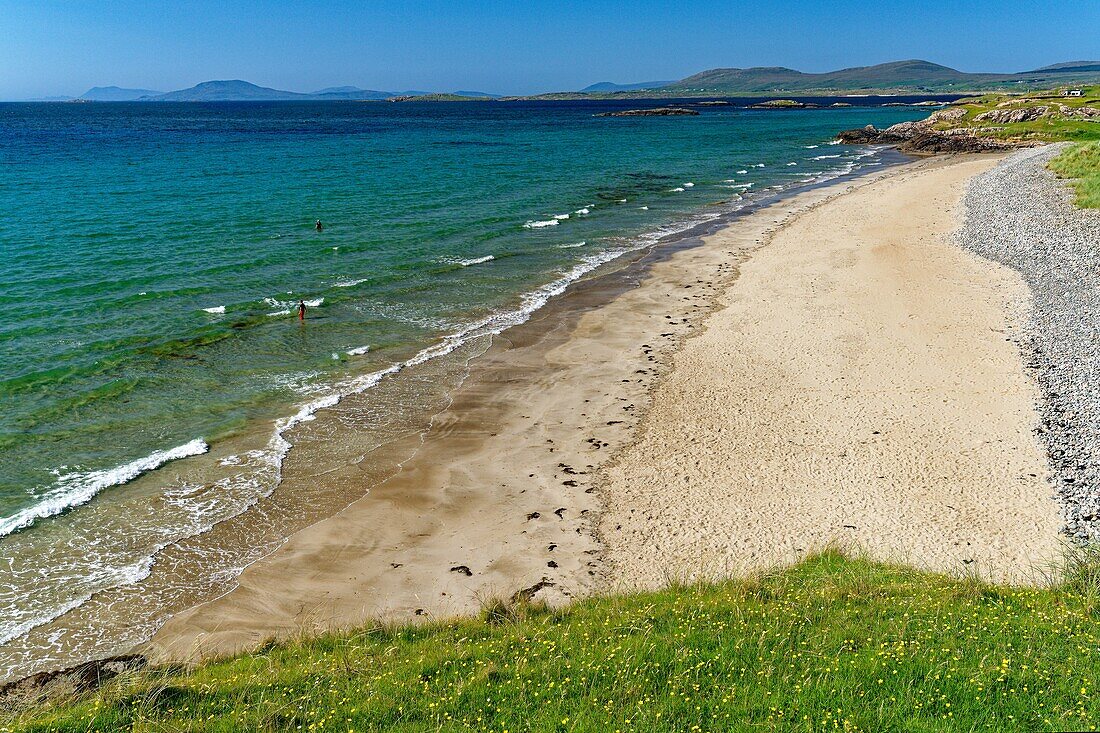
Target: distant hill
1071,66
610,86
338,90
236,90
233,90
349,93
895,77
478,95
116,94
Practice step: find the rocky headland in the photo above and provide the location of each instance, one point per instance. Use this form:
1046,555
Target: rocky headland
925,136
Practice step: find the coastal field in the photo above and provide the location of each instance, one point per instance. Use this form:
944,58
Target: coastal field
1049,116
830,644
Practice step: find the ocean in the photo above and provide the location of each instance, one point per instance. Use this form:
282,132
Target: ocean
155,377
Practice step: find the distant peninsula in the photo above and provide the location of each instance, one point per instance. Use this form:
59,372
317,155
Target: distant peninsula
236,90
910,77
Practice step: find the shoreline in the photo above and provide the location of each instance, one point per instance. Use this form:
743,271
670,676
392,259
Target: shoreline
431,553
327,468
454,528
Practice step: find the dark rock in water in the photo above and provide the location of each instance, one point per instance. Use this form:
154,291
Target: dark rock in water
654,112
861,136
51,685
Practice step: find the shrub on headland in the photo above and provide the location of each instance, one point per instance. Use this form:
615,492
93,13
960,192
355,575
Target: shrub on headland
832,643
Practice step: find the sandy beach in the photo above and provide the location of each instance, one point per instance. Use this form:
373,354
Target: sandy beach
830,369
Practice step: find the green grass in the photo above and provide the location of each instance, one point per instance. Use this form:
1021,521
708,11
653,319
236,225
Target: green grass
1050,128
831,644
1081,163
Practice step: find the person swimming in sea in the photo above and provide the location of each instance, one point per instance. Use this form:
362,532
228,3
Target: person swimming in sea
302,307
319,226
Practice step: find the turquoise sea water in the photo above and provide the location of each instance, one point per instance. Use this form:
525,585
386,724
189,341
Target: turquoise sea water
154,254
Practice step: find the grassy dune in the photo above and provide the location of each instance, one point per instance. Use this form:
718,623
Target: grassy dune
833,643
1081,164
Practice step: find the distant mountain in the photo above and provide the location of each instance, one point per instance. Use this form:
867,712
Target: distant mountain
242,91
894,77
116,94
227,91
610,86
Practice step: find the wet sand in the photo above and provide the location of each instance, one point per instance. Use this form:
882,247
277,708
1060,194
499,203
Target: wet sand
717,415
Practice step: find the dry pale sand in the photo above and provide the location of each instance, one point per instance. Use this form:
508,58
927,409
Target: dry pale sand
858,375
860,387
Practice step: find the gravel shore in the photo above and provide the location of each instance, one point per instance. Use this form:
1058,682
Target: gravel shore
1020,215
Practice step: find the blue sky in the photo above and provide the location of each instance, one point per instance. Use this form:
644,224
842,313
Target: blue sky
64,47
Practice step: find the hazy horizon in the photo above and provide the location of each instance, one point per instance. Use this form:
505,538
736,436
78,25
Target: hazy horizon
57,50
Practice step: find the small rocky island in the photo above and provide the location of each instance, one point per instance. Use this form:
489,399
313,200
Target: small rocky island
653,112
784,104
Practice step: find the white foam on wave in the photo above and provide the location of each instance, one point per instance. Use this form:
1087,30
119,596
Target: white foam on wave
349,283
110,577
541,224
644,208
757,165
358,351
571,246
678,189
215,309
689,184
792,163
826,157
466,263
561,217
73,489
286,307
811,147
742,172
583,211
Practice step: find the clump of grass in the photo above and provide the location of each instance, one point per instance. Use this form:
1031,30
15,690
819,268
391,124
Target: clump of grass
832,643
1081,163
